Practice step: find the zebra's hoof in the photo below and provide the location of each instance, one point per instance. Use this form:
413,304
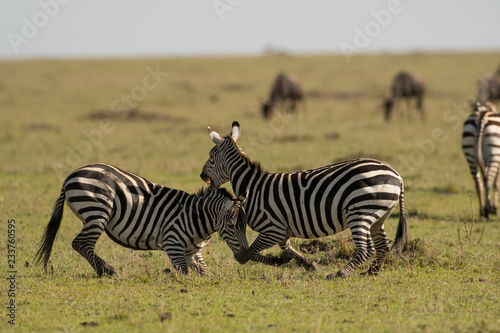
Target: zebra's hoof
287,257
107,270
371,271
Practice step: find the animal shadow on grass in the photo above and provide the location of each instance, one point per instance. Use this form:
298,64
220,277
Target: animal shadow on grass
418,252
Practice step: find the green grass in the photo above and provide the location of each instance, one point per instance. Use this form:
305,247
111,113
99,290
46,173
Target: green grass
447,285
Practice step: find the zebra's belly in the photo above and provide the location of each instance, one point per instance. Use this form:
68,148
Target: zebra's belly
316,227
143,235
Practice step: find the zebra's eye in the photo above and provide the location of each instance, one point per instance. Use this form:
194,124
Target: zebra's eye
232,221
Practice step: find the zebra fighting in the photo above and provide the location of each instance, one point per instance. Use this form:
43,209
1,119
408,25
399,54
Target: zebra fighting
357,194
481,147
139,214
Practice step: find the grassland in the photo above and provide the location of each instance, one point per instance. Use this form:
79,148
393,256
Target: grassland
56,116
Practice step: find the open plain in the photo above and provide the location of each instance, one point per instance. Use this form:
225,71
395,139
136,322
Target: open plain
150,117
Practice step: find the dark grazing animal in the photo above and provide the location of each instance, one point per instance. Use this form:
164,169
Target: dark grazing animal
286,88
357,194
405,86
481,147
142,215
488,88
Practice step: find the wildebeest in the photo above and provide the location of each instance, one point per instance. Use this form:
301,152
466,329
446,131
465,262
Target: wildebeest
405,86
285,88
488,88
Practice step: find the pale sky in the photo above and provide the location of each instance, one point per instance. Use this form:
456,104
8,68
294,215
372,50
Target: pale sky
123,28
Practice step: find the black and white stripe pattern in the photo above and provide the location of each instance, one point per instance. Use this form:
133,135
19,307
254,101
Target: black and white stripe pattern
358,194
139,214
481,147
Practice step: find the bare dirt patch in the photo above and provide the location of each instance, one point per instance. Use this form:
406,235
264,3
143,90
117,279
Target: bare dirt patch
237,86
133,115
40,127
331,94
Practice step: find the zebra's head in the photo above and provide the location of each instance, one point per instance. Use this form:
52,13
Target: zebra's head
231,226
215,171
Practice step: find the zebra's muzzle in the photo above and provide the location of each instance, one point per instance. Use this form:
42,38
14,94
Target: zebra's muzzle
242,256
205,178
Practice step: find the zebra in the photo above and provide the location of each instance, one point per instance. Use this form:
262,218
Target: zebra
285,87
481,148
405,86
139,214
359,194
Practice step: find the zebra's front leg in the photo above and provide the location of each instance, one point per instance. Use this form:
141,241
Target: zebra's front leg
84,244
290,253
263,242
199,265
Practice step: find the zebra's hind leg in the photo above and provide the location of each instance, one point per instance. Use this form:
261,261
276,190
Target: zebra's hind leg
177,256
492,182
84,244
381,243
480,191
360,230
290,253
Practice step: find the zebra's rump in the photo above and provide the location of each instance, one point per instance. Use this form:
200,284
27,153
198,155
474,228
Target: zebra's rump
482,127
491,139
315,203
131,207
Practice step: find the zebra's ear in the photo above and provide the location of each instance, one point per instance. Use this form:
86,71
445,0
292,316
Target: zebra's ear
235,131
216,138
227,206
243,197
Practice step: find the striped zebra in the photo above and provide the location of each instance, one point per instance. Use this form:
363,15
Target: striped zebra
139,214
481,147
358,194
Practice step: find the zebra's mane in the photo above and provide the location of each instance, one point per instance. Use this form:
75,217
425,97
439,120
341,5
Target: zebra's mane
254,165
207,190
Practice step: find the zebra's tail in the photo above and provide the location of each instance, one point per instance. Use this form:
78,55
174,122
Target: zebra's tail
49,236
483,120
402,231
